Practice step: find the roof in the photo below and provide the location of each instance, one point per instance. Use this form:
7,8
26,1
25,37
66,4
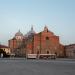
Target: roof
70,45
31,32
3,46
19,33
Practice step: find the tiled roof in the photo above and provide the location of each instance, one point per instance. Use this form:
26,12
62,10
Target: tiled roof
3,46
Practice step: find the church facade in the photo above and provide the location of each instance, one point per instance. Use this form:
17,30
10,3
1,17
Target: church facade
44,42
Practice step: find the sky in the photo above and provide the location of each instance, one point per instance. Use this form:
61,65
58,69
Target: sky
57,15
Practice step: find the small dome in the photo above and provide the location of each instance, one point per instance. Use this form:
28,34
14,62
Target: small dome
19,33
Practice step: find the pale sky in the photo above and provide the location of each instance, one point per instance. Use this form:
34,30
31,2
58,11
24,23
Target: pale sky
57,15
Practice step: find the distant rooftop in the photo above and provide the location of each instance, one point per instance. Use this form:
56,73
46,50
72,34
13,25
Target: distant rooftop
3,46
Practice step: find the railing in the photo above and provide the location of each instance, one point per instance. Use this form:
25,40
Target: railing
47,56
31,56
41,56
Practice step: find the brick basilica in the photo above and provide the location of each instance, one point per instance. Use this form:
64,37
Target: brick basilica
45,42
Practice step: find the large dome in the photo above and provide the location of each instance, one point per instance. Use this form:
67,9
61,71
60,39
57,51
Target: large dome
19,35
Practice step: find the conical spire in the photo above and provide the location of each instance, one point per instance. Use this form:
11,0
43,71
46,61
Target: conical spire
19,31
32,28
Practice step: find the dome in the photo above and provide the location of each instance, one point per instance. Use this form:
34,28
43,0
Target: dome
19,33
31,32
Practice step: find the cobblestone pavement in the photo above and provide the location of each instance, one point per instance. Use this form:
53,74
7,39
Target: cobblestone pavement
36,67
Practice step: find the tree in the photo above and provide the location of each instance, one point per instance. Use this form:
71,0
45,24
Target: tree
3,52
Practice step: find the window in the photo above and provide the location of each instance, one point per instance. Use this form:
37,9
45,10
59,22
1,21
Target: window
47,41
47,52
47,38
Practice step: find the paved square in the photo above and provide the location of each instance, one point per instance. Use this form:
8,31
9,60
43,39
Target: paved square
36,67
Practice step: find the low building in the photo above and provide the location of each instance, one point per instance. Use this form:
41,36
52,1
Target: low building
5,48
70,50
